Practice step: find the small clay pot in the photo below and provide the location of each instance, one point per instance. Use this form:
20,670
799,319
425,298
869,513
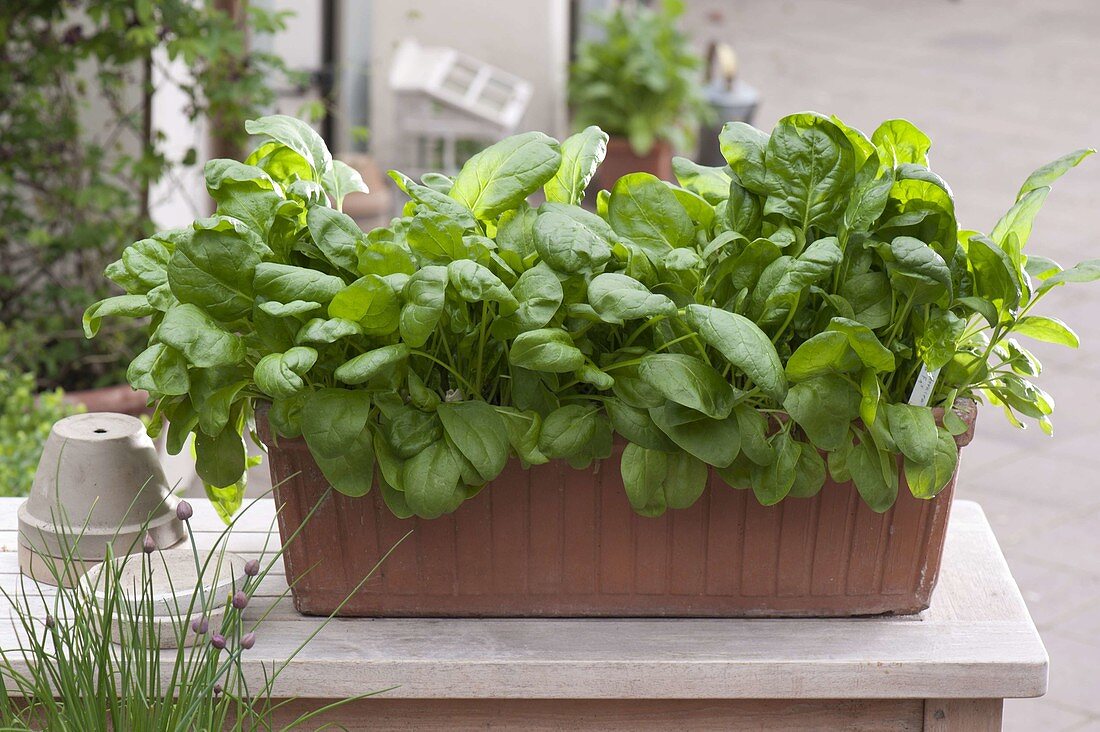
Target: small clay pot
122,398
622,160
99,484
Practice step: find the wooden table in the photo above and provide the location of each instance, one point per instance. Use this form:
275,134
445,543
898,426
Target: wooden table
946,669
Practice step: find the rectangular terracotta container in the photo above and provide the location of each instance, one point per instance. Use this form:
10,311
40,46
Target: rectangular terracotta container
555,542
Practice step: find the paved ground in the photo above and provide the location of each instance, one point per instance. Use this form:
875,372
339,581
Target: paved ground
1001,86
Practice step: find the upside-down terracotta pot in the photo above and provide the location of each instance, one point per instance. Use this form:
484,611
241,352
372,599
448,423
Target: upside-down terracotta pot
552,541
622,160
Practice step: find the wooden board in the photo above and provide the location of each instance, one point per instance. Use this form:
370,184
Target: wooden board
975,641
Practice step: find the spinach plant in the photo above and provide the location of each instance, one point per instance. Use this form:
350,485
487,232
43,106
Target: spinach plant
767,319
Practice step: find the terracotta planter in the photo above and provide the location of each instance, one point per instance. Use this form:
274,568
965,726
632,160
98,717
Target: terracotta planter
621,160
122,398
552,541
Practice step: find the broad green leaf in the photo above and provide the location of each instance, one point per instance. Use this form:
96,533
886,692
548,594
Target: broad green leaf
425,294
916,269
637,426
539,294
286,283
655,480
126,306
502,175
199,337
753,429
214,270
913,430
479,433
337,236
927,479
825,353
1052,171
689,382
545,349
865,344
567,431
714,441
222,459
644,210
383,256
870,296
320,330
434,200
244,192
435,238
901,142
571,239
374,362
810,170
524,428
1048,329
744,147
159,369
874,474
581,154
713,184
335,427
142,267
644,473
994,277
370,302
809,473
742,343
296,135
1019,219
432,480
869,196
476,283
340,180
823,407
279,375
771,483
616,297
1087,271
292,309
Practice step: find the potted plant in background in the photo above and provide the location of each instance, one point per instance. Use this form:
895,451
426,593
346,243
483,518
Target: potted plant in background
639,81
787,354
72,196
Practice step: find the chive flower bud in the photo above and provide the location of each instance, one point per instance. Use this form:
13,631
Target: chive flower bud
252,567
184,511
200,625
240,600
218,641
217,689
248,640
148,545
50,622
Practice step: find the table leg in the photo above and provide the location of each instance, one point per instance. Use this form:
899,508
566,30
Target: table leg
962,715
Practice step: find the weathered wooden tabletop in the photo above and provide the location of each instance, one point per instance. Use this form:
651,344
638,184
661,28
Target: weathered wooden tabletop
947,668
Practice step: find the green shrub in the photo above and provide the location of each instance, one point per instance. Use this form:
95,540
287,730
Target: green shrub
25,421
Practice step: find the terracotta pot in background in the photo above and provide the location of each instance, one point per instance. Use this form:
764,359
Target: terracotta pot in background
621,160
122,398
555,542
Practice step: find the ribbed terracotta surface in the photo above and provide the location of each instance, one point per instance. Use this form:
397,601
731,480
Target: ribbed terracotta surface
552,541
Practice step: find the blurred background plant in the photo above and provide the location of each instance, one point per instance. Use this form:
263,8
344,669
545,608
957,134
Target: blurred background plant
25,421
79,154
639,78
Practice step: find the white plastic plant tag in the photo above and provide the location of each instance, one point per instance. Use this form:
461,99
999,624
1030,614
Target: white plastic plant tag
922,390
